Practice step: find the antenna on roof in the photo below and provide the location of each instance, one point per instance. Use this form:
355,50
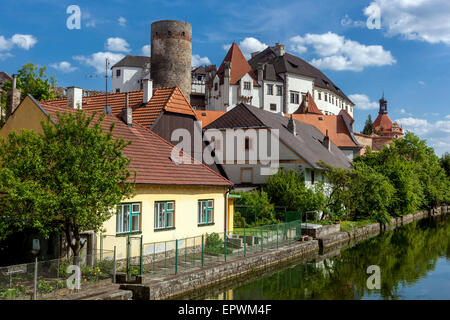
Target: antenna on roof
106,79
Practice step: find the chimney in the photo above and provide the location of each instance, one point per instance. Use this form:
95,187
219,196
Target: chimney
12,98
148,91
127,112
280,49
74,97
260,69
291,126
326,141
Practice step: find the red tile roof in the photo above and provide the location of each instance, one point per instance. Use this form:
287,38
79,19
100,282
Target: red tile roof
239,66
151,155
168,99
312,107
208,116
337,130
382,123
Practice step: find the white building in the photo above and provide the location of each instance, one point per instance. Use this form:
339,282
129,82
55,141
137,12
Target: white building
128,73
272,80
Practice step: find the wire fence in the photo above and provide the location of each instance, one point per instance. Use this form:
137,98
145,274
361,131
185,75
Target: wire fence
52,278
128,254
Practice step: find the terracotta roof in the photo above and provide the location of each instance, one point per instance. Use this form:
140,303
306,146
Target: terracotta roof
151,155
208,116
168,99
239,65
312,107
337,130
382,122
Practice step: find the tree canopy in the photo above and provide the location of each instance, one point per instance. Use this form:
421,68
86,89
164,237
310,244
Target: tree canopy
67,179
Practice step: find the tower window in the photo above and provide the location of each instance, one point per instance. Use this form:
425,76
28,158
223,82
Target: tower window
118,73
169,33
279,90
182,33
270,89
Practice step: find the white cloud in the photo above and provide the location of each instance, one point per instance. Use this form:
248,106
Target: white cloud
248,46
348,22
418,126
199,61
4,56
447,117
424,20
363,102
97,60
117,45
338,53
422,83
23,41
63,66
146,50
122,21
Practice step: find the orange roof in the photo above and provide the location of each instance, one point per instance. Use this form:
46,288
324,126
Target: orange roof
337,130
150,155
168,99
312,107
207,116
239,65
382,121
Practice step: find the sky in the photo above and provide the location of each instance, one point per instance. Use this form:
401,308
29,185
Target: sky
399,47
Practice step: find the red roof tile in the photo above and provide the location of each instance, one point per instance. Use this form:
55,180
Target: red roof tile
382,123
168,99
337,130
239,65
208,116
151,155
312,107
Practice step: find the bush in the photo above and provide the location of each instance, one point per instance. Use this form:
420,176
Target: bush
252,202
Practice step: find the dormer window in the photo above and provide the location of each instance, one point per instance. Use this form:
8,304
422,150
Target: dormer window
247,85
216,86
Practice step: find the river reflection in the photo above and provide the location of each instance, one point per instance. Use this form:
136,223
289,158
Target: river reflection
414,261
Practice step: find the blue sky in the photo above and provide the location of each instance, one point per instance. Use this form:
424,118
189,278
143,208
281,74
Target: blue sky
408,56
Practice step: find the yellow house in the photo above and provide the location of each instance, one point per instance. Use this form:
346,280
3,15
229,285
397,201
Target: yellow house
174,197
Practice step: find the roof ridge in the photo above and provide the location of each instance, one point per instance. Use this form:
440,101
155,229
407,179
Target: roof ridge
184,153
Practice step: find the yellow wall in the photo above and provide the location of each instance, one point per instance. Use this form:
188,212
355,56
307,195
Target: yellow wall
27,116
186,206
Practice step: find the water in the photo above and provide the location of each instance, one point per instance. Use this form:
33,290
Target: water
414,261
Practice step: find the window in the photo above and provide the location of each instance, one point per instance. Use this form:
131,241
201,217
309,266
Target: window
117,90
312,176
128,218
164,215
216,86
200,78
279,90
320,95
248,143
247,85
273,107
118,72
326,97
169,33
294,97
205,212
270,89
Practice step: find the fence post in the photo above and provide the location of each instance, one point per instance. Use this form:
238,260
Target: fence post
35,278
203,249
277,235
245,243
165,254
176,256
262,248
128,258
225,245
141,267
115,266
101,246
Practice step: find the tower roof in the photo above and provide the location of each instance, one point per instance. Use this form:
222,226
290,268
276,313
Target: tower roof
239,65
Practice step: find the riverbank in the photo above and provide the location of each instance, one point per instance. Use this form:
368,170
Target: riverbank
201,278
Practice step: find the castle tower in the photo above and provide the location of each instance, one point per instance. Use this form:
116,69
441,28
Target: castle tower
383,106
171,54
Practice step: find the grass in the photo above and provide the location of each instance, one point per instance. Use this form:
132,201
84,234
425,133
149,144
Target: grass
347,226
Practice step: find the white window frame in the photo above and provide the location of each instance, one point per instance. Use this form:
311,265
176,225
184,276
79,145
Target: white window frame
126,215
205,214
164,215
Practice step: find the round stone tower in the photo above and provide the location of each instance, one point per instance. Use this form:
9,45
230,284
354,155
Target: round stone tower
171,46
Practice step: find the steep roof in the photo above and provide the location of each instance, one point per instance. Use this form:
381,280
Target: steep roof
292,64
168,99
150,155
239,65
337,130
208,116
4,77
133,61
382,122
307,143
312,107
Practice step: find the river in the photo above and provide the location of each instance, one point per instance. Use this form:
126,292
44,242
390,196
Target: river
413,260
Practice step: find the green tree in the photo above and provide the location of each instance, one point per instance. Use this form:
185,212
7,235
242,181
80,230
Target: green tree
67,179
368,126
288,189
254,202
32,79
445,163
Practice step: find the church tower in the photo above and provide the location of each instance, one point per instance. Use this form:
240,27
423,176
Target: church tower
383,106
